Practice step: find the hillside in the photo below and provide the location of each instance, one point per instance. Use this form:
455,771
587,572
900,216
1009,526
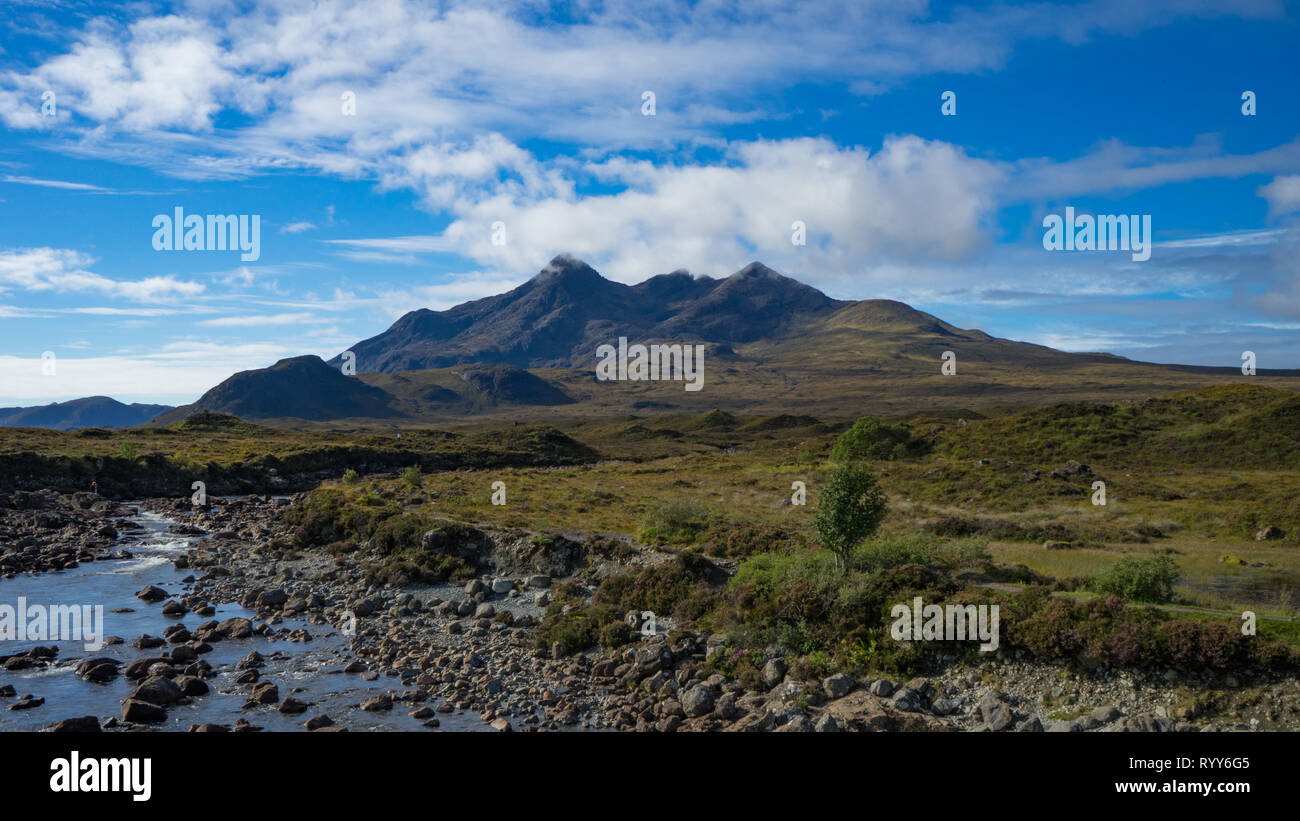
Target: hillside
88,412
303,387
772,345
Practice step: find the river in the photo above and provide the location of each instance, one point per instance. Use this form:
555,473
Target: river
310,671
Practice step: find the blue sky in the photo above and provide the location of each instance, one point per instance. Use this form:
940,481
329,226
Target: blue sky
531,115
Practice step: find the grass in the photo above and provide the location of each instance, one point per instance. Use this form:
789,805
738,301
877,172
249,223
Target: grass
1197,473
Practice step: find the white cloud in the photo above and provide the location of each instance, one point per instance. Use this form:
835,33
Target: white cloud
914,199
258,320
68,186
176,373
460,288
432,79
1283,195
1230,239
297,227
61,269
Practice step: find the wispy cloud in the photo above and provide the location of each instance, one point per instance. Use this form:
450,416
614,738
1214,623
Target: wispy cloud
68,186
61,269
258,320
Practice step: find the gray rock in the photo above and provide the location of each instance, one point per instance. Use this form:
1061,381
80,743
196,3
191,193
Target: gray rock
698,701
943,707
142,712
84,724
1105,715
151,593
838,686
797,724
1064,727
272,598
826,724
907,700
995,712
726,707
157,690
773,672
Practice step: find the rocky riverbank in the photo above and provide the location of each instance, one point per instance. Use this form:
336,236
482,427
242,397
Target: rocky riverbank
44,530
470,647
442,654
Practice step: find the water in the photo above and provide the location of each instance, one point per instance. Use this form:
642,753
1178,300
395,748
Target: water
1259,587
315,666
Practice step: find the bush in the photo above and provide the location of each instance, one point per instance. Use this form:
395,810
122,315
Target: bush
411,476
417,567
1149,579
676,522
679,588
727,538
615,634
350,476
883,554
870,438
576,630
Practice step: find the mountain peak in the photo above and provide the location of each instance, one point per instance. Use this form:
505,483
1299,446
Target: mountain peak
756,270
567,268
306,360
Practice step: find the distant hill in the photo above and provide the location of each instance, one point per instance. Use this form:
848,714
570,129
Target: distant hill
505,384
303,387
88,412
773,345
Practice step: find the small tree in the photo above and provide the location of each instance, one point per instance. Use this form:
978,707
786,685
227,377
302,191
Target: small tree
411,476
849,509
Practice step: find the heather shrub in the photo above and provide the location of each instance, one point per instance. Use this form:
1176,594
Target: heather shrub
1149,579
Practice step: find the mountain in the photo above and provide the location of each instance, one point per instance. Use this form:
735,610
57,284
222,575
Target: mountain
772,344
88,412
559,317
302,387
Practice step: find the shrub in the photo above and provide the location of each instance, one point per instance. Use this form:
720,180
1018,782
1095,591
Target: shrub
574,631
727,538
870,438
417,567
1149,579
883,554
411,476
615,634
350,476
675,522
679,588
